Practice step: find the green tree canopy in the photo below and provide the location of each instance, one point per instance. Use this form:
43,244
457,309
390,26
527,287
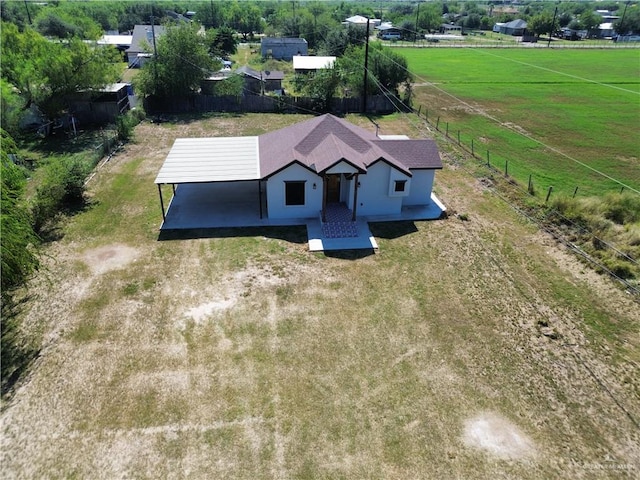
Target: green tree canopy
539,24
45,72
183,60
221,42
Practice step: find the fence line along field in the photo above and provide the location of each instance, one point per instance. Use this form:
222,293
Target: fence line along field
469,347
543,111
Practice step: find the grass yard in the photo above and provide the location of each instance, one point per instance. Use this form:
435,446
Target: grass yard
531,106
464,349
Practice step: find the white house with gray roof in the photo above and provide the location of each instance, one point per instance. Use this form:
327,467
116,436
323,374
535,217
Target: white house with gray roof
324,168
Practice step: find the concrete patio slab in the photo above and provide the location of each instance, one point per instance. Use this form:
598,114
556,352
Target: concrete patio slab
223,205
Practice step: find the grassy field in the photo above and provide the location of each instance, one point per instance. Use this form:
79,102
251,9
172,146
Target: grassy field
464,349
544,111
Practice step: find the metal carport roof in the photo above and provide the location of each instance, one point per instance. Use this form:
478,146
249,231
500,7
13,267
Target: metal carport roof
219,159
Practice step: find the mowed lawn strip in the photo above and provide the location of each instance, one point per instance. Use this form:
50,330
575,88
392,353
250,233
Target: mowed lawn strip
584,104
238,354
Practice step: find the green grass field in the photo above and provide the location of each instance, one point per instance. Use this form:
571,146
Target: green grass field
550,113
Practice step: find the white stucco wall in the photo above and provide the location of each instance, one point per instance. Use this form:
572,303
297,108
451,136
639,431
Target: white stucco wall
373,194
421,186
276,194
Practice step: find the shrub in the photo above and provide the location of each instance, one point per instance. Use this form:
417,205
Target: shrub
62,188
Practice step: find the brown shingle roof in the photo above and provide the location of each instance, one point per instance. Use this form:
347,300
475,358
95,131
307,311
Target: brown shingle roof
323,141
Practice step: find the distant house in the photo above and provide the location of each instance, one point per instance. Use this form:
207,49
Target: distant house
386,31
515,28
257,82
308,64
324,169
450,29
361,22
282,48
142,44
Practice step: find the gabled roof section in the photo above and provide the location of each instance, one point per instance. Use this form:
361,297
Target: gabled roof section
324,141
260,75
143,37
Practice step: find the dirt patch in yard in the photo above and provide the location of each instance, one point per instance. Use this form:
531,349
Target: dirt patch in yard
109,257
497,436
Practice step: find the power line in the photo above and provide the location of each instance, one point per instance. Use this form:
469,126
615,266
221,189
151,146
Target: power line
523,134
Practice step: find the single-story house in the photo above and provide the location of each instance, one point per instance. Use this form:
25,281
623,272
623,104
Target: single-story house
281,48
312,169
121,42
360,21
307,64
515,28
257,82
142,43
449,28
387,31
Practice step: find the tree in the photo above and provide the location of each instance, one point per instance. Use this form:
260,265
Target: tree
246,19
387,69
54,24
11,106
590,22
46,73
321,87
539,24
630,23
18,259
429,18
182,62
221,42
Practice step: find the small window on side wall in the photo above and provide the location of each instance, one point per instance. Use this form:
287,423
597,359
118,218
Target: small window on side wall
293,193
399,186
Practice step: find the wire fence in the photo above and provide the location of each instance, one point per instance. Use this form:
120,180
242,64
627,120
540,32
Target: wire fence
508,161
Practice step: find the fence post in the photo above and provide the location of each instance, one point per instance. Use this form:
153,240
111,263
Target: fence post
506,168
419,109
472,152
530,186
426,114
488,162
438,124
622,189
548,194
574,192
447,130
458,137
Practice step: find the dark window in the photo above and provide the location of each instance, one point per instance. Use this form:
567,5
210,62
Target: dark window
400,185
294,193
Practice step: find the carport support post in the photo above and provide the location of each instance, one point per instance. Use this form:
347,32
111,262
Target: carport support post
355,199
260,197
161,202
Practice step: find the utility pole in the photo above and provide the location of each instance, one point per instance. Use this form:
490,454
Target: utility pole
29,14
553,26
155,57
415,34
366,72
622,19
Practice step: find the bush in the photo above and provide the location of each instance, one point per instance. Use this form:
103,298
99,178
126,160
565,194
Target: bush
61,189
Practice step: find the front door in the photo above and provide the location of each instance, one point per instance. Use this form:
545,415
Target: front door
333,188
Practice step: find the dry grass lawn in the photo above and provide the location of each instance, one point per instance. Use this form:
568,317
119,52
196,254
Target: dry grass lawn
464,349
